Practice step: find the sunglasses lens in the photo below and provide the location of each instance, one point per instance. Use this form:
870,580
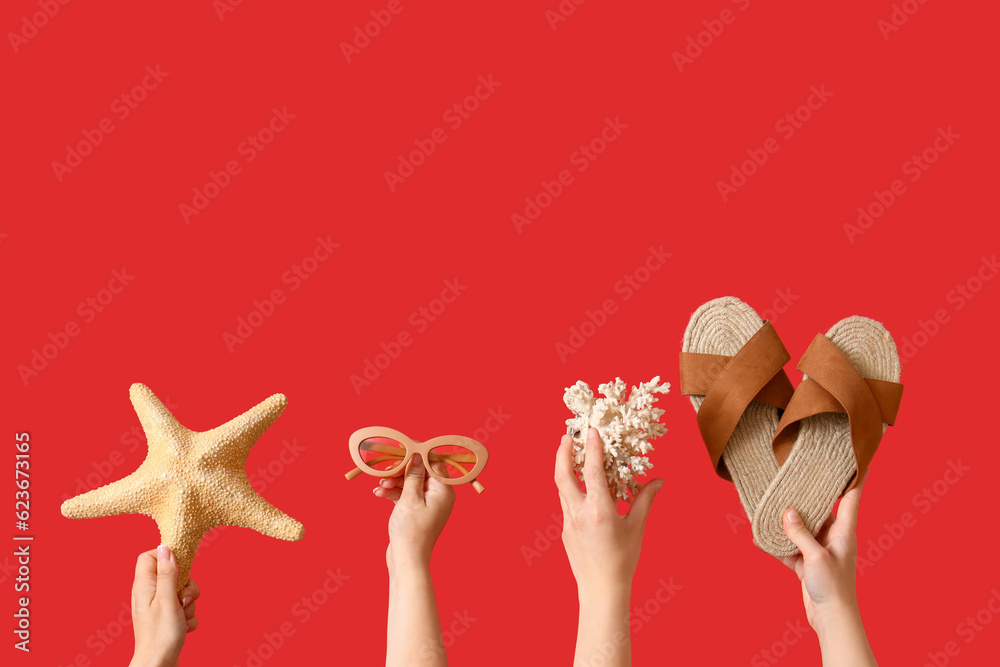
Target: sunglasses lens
452,461
382,453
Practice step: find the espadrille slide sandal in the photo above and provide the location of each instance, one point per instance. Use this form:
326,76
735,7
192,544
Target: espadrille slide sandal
848,396
731,367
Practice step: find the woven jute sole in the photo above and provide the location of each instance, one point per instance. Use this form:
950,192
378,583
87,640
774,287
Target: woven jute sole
821,463
723,326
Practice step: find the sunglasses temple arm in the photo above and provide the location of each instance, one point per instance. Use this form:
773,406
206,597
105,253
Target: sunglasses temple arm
475,483
354,473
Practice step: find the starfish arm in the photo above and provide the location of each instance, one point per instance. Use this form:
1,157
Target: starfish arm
129,495
153,415
238,435
248,509
181,528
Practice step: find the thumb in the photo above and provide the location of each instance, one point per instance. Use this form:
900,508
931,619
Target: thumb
414,486
800,535
643,501
166,574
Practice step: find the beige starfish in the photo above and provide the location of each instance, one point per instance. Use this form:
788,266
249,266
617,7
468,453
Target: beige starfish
191,481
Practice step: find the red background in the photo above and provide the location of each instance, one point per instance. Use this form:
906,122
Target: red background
495,346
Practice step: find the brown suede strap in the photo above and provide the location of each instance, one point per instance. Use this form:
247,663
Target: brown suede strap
730,383
834,385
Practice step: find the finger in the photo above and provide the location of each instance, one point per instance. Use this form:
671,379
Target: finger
144,586
823,534
189,610
440,495
593,465
643,502
566,481
414,490
791,561
190,593
166,575
391,494
390,482
847,513
800,535
192,624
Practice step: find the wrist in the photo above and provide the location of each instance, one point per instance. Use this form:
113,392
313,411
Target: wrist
408,563
143,661
605,592
832,621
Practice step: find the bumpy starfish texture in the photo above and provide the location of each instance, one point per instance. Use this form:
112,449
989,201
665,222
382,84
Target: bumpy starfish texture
191,482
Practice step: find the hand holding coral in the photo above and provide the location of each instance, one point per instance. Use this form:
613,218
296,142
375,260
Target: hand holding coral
602,545
160,616
626,428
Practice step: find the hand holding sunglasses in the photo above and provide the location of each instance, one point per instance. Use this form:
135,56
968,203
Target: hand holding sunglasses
384,452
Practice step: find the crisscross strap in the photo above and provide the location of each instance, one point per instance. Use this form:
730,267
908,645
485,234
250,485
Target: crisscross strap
834,385
730,383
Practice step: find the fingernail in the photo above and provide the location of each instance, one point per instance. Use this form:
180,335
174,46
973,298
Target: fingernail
416,459
376,490
186,600
793,516
592,432
163,553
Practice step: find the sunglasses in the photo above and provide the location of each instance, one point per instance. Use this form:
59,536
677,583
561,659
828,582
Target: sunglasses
385,452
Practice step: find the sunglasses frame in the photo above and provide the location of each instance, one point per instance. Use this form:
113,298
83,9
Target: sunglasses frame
417,447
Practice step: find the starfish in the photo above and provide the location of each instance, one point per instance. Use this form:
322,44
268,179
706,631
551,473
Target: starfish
190,481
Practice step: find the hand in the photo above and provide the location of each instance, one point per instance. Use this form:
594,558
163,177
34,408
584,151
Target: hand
827,564
160,616
423,505
602,545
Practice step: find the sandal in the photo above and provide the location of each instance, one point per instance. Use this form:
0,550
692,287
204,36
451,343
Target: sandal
848,396
731,367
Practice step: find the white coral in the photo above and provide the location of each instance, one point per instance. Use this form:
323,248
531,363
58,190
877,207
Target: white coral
625,428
